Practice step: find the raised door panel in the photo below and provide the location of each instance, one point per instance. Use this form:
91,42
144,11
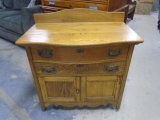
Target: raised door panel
100,88
59,89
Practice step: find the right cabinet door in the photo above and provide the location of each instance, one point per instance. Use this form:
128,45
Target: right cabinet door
100,88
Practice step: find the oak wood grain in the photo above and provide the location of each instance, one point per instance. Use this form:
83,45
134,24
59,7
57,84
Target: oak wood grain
69,28
79,34
80,63
80,69
79,54
37,85
105,5
75,15
56,89
124,77
101,88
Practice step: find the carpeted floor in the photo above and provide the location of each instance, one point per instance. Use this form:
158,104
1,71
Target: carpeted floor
141,100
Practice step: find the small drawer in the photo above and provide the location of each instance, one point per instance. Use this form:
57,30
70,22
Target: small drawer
80,54
108,68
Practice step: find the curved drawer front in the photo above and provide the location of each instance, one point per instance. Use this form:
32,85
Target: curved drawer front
108,68
80,54
98,4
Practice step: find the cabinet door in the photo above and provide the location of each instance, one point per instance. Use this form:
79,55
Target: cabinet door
100,88
60,89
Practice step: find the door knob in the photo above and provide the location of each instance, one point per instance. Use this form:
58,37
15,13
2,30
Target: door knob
77,91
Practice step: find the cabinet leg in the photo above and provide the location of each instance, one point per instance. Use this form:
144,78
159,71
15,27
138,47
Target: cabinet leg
43,108
117,108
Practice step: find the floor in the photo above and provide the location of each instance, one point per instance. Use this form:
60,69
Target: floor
141,100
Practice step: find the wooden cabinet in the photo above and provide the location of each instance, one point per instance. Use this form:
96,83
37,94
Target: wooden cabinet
105,5
80,63
85,75
126,6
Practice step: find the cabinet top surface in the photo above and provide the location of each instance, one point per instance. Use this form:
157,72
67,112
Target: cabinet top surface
79,34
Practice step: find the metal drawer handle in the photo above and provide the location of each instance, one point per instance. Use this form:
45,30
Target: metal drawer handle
70,7
80,50
111,68
51,3
114,52
49,69
45,53
77,91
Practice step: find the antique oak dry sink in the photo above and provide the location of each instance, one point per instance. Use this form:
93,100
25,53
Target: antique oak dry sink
79,57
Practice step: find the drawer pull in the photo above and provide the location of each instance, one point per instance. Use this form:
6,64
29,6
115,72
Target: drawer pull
45,53
77,91
70,7
49,69
114,52
51,3
93,7
111,68
80,50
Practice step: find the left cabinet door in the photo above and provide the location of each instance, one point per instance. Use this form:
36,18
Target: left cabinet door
60,89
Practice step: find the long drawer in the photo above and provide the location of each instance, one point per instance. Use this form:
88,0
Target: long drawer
107,68
80,54
97,4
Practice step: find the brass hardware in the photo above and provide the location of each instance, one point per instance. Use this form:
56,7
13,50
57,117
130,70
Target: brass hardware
111,68
77,91
114,52
51,3
80,50
49,69
70,7
45,53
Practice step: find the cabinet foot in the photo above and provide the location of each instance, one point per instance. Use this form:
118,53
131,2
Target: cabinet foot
117,110
44,108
